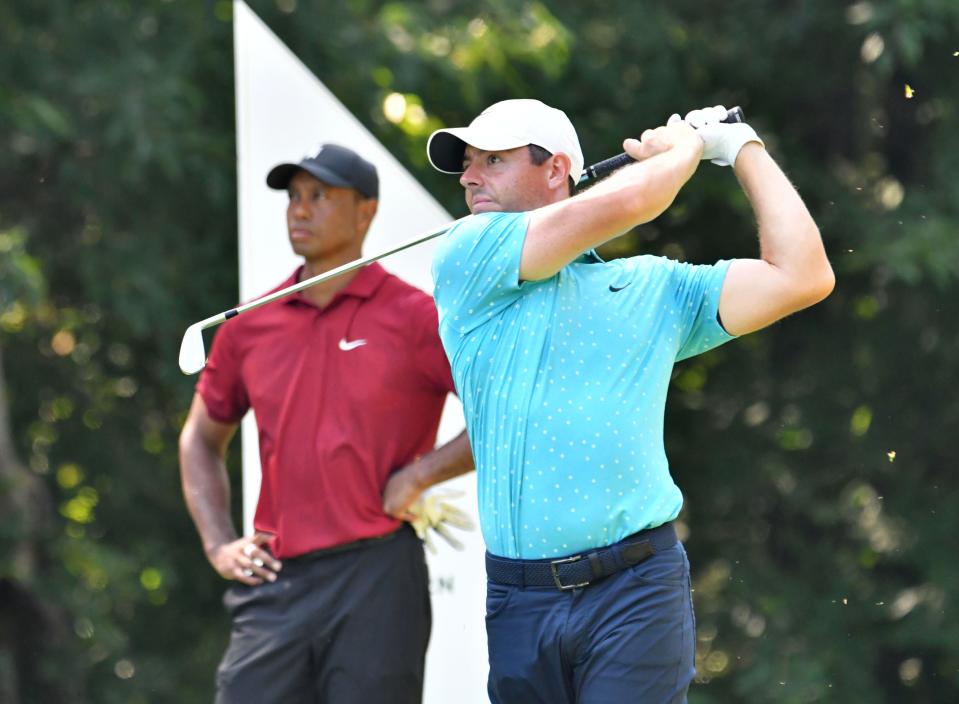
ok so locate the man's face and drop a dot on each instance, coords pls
(326, 222)
(503, 181)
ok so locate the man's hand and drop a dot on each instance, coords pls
(433, 512)
(402, 489)
(723, 141)
(245, 561)
(408, 483)
(675, 133)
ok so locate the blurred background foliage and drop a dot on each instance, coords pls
(818, 457)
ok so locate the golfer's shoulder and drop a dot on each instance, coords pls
(407, 310)
(398, 293)
(667, 265)
(482, 225)
(264, 317)
(652, 265)
(479, 240)
(651, 271)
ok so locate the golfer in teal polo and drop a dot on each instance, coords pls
(563, 362)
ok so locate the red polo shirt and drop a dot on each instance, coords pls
(343, 396)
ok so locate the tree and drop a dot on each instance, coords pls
(815, 456)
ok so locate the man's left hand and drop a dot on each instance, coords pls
(723, 141)
(402, 490)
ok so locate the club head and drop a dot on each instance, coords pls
(192, 353)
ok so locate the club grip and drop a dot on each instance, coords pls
(608, 166)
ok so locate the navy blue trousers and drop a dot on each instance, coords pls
(344, 628)
(627, 638)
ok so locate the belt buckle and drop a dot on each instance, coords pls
(556, 580)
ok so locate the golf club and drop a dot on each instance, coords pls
(607, 166)
(192, 349)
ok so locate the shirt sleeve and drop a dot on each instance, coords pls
(697, 288)
(221, 384)
(476, 269)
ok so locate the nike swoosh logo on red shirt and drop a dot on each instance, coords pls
(352, 345)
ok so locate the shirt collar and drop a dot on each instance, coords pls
(363, 285)
(590, 257)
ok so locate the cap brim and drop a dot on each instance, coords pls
(445, 148)
(280, 175)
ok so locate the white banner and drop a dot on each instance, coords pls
(283, 113)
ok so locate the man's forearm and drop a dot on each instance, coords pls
(406, 485)
(638, 193)
(206, 489)
(445, 462)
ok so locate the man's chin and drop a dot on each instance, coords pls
(485, 207)
(300, 247)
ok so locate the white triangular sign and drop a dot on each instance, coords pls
(283, 113)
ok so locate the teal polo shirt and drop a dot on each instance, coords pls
(563, 383)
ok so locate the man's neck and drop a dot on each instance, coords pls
(321, 294)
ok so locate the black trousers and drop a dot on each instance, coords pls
(346, 627)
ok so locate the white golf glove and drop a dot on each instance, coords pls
(722, 141)
(434, 512)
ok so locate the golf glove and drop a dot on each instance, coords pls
(434, 512)
(722, 141)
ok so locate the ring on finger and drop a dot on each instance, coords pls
(249, 549)
(247, 572)
(258, 562)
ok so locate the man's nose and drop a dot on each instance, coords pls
(470, 176)
(299, 210)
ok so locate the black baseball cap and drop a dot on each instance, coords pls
(333, 165)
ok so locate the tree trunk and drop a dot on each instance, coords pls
(34, 631)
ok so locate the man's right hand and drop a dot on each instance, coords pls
(434, 512)
(675, 133)
(559, 231)
(245, 560)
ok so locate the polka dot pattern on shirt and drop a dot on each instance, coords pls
(564, 384)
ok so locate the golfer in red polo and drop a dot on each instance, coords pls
(347, 381)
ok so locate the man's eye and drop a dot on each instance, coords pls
(493, 159)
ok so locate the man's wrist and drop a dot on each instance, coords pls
(741, 134)
(211, 548)
(421, 473)
(749, 148)
(691, 143)
(697, 144)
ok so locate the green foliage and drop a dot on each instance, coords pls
(118, 222)
(822, 561)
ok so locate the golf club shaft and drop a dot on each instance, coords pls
(192, 352)
(332, 273)
(608, 166)
(593, 172)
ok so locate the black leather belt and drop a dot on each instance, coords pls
(585, 568)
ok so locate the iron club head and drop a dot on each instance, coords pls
(192, 353)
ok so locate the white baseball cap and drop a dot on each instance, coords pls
(507, 125)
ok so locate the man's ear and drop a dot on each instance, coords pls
(558, 174)
(366, 210)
